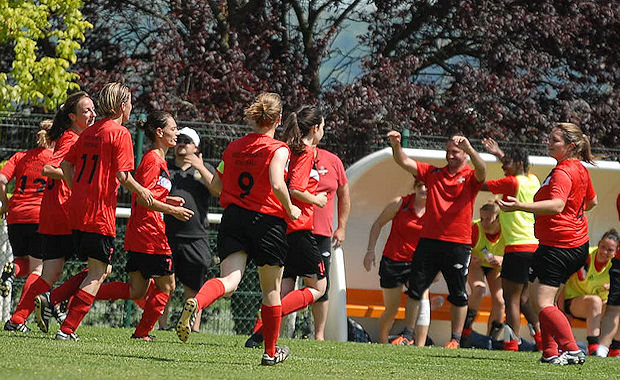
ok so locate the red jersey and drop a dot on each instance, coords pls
(101, 151)
(449, 203)
(332, 176)
(146, 231)
(571, 182)
(405, 232)
(54, 212)
(302, 175)
(26, 167)
(244, 172)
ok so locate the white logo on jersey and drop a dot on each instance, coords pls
(322, 170)
(315, 174)
(461, 180)
(165, 183)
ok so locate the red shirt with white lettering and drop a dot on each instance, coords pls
(54, 217)
(571, 182)
(26, 167)
(449, 203)
(244, 172)
(404, 233)
(146, 231)
(98, 155)
(332, 176)
(302, 176)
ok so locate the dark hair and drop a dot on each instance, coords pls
(298, 125)
(611, 235)
(61, 119)
(518, 154)
(155, 119)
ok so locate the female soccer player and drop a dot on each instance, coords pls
(100, 159)
(255, 201)
(23, 220)
(586, 292)
(518, 233)
(562, 229)
(405, 213)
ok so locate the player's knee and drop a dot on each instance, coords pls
(478, 288)
(458, 299)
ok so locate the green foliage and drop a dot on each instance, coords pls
(44, 36)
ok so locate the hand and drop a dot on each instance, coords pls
(492, 147)
(510, 204)
(338, 238)
(462, 143)
(182, 213)
(146, 196)
(321, 199)
(3, 209)
(495, 261)
(175, 201)
(194, 160)
(394, 137)
(369, 260)
(294, 213)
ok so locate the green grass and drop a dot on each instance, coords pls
(109, 353)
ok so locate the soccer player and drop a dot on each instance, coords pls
(22, 217)
(518, 233)
(405, 213)
(609, 342)
(445, 240)
(333, 181)
(562, 230)
(100, 159)
(586, 291)
(256, 201)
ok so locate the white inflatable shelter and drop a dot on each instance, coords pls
(376, 179)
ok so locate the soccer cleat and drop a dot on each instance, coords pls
(557, 360)
(146, 338)
(6, 279)
(281, 355)
(254, 341)
(402, 341)
(19, 327)
(614, 353)
(574, 357)
(452, 345)
(186, 321)
(43, 311)
(61, 335)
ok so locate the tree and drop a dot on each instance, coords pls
(39, 40)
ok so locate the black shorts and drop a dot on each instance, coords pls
(149, 265)
(303, 257)
(58, 247)
(192, 259)
(614, 283)
(393, 273)
(25, 240)
(567, 303)
(325, 249)
(486, 270)
(432, 256)
(261, 236)
(93, 245)
(517, 266)
(553, 266)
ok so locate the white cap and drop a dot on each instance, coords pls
(189, 132)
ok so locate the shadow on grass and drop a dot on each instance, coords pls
(160, 359)
(29, 335)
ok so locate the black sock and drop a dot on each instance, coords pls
(408, 333)
(469, 319)
(456, 336)
(592, 339)
(615, 345)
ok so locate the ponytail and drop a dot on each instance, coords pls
(62, 122)
(573, 134)
(292, 134)
(43, 137)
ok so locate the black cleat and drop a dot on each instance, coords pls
(557, 360)
(6, 279)
(146, 338)
(281, 355)
(19, 327)
(574, 357)
(43, 311)
(254, 341)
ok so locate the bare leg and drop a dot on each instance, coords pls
(391, 300)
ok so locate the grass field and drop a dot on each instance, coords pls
(109, 353)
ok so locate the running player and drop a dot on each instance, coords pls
(405, 213)
(445, 240)
(562, 229)
(518, 233)
(100, 159)
(255, 201)
(586, 291)
(23, 221)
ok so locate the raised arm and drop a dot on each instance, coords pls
(388, 213)
(493, 147)
(210, 180)
(399, 155)
(480, 166)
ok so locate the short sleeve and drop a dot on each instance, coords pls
(474, 234)
(122, 157)
(506, 186)
(423, 171)
(299, 174)
(148, 172)
(71, 152)
(61, 149)
(9, 168)
(559, 185)
(340, 172)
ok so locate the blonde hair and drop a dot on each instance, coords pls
(265, 110)
(43, 137)
(490, 206)
(573, 134)
(110, 99)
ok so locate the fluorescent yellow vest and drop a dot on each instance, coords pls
(484, 246)
(593, 283)
(518, 226)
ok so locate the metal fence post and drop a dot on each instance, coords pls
(406, 138)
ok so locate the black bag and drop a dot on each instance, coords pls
(356, 333)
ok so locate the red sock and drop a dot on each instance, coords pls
(210, 291)
(258, 326)
(34, 286)
(271, 316)
(154, 308)
(592, 349)
(152, 290)
(67, 288)
(558, 326)
(614, 353)
(538, 339)
(511, 345)
(22, 266)
(115, 290)
(296, 300)
(78, 307)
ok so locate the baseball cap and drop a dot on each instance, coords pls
(189, 132)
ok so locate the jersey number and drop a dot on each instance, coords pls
(95, 159)
(246, 182)
(39, 181)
